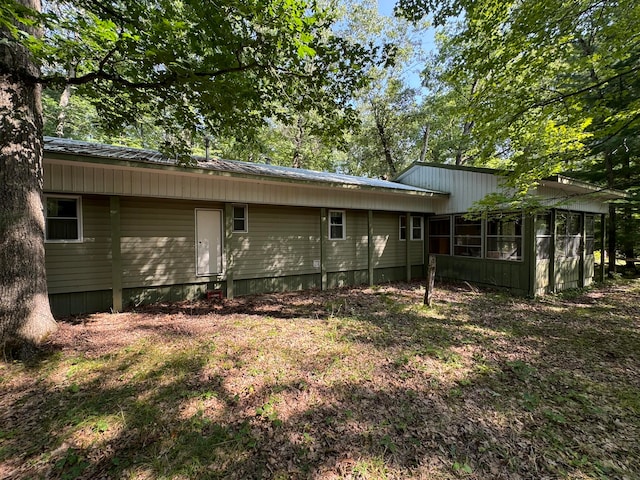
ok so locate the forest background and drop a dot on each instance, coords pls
(535, 89)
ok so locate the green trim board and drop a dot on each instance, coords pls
(80, 303)
(116, 253)
(288, 283)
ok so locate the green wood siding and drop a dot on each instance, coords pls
(67, 304)
(352, 252)
(497, 273)
(280, 241)
(347, 278)
(389, 250)
(134, 297)
(158, 242)
(277, 284)
(85, 266)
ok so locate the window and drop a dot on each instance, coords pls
(504, 239)
(467, 237)
(337, 230)
(568, 234)
(440, 235)
(416, 228)
(63, 219)
(240, 218)
(543, 236)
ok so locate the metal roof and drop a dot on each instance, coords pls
(99, 150)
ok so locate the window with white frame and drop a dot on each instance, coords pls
(416, 228)
(240, 218)
(467, 237)
(440, 235)
(403, 227)
(504, 238)
(63, 218)
(337, 226)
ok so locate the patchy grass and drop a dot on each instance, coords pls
(353, 383)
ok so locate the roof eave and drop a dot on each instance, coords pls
(567, 183)
(174, 167)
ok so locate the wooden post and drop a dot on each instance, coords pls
(583, 253)
(324, 238)
(552, 254)
(603, 240)
(431, 276)
(228, 239)
(408, 246)
(116, 254)
(371, 246)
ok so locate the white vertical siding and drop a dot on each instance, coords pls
(465, 187)
(568, 201)
(468, 187)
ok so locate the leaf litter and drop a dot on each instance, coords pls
(360, 382)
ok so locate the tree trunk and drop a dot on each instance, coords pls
(297, 144)
(64, 104)
(425, 142)
(25, 314)
(386, 148)
(612, 224)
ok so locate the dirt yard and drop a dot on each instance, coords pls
(350, 383)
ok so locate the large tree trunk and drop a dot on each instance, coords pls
(25, 315)
(612, 224)
(297, 143)
(386, 148)
(425, 142)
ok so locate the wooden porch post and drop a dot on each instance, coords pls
(370, 246)
(323, 248)
(529, 239)
(603, 240)
(116, 254)
(552, 253)
(228, 253)
(408, 249)
(583, 256)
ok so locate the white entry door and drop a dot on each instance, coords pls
(208, 242)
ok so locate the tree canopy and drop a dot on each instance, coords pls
(198, 68)
(182, 67)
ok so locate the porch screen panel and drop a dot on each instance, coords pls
(467, 240)
(504, 239)
(568, 231)
(440, 235)
(543, 236)
(589, 232)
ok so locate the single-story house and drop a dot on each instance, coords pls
(128, 226)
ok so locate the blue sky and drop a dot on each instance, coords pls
(385, 7)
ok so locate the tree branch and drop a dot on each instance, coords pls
(575, 93)
(166, 80)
